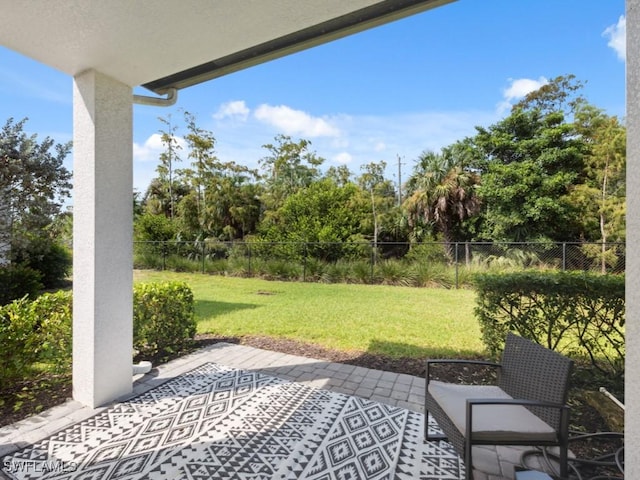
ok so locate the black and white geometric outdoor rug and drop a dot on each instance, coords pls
(216, 422)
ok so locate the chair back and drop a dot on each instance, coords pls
(531, 371)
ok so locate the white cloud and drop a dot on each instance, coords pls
(151, 149)
(343, 158)
(379, 147)
(295, 122)
(518, 89)
(617, 35)
(402, 134)
(361, 139)
(146, 157)
(236, 109)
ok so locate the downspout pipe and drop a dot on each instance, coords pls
(170, 99)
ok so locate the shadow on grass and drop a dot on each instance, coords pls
(406, 358)
(381, 355)
(210, 309)
(397, 349)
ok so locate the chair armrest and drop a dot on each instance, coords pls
(459, 362)
(513, 401)
(564, 410)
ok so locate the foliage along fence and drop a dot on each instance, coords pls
(397, 263)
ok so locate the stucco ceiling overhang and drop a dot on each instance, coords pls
(162, 44)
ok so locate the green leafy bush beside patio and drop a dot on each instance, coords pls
(35, 334)
(579, 314)
(163, 316)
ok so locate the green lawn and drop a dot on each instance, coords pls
(397, 321)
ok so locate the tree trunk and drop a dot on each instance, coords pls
(449, 241)
(603, 231)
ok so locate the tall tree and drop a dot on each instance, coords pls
(33, 185)
(442, 192)
(602, 196)
(529, 162)
(233, 200)
(560, 94)
(168, 157)
(318, 219)
(341, 175)
(289, 167)
(379, 190)
(204, 166)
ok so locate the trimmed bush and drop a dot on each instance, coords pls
(579, 314)
(163, 316)
(35, 332)
(36, 335)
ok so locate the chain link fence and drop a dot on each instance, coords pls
(384, 262)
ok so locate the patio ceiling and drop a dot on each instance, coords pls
(164, 44)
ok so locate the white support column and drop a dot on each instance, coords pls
(632, 279)
(102, 239)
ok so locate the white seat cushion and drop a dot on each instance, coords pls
(501, 423)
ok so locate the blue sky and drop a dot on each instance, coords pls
(415, 84)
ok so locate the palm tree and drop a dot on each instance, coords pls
(442, 193)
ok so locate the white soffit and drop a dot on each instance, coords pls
(165, 44)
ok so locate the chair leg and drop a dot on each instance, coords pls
(468, 462)
(564, 459)
(433, 437)
(426, 425)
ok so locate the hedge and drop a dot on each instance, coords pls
(163, 316)
(35, 335)
(579, 314)
(35, 332)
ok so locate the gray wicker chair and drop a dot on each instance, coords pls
(527, 406)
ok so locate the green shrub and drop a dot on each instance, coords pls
(392, 272)
(360, 271)
(337, 272)
(54, 314)
(313, 269)
(17, 281)
(178, 263)
(282, 270)
(54, 263)
(426, 253)
(576, 313)
(45, 255)
(35, 333)
(142, 260)
(430, 275)
(163, 316)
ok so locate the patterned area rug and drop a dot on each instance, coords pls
(218, 422)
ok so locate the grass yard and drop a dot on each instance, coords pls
(395, 321)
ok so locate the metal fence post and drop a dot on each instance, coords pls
(457, 265)
(203, 246)
(249, 252)
(564, 256)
